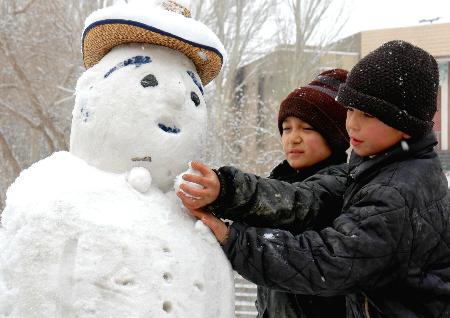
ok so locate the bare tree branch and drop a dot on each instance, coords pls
(29, 122)
(8, 154)
(69, 74)
(24, 8)
(2, 204)
(35, 102)
(39, 68)
(9, 86)
(18, 115)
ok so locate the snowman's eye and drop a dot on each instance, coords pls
(195, 99)
(149, 81)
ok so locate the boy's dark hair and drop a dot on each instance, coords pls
(398, 84)
(315, 104)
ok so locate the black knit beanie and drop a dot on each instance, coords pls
(315, 104)
(398, 84)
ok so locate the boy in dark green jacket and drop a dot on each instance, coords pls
(313, 135)
(389, 249)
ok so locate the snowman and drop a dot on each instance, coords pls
(98, 231)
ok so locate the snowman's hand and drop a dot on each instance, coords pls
(217, 226)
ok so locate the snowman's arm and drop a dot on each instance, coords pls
(265, 202)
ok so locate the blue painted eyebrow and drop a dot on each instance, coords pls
(196, 81)
(136, 60)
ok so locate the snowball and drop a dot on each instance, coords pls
(140, 179)
(179, 180)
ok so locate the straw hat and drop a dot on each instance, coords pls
(166, 23)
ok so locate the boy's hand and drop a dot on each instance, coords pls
(200, 197)
(217, 226)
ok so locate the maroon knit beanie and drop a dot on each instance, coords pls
(315, 104)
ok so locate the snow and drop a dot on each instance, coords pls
(140, 179)
(151, 13)
(205, 232)
(404, 145)
(268, 236)
(179, 180)
(184, 3)
(81, 242)
(202, 55)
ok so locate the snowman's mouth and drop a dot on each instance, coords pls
(170, 129)
(147, 158)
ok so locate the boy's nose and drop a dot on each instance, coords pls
(351, 122)
(297, 139)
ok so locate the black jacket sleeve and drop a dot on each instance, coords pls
(367, 247)
(272, 203)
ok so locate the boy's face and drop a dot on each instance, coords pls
(369, 135)
(303, 146)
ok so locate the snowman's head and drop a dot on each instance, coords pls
(141, 105)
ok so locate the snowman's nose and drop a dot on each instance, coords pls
(175, 92)
(171, 88)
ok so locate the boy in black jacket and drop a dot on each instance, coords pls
(389, 249)
(313, 135)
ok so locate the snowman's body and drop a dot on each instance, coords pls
(80, 241)
(84, 243)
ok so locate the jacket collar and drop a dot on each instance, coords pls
(285, 172)
(415, 148)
